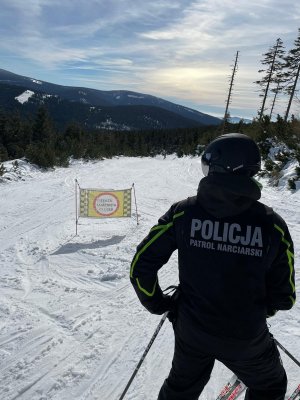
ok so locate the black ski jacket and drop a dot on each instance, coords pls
(235, 258)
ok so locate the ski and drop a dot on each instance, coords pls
(296, 394)
(233, 388)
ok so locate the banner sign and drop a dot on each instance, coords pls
(105, 204)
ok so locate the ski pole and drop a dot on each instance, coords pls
(144, 354)
(287, 352)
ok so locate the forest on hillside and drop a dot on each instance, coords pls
(42, 144)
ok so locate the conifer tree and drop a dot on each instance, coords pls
(293, 71)
(227, 114)
(274, 61)
(41, 150)
(42, 130)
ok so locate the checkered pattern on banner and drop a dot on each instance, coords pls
(127, 203)
(84, 203)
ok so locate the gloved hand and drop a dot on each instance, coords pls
(161, 306)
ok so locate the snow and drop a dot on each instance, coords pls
(71, 327)
(135, 96)
(110, 125)
(23, 98)
(47, 96)
(17, 170)
(288, 172)
(37, 82)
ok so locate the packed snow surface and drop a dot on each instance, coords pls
(71, 326)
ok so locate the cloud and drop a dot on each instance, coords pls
(172, 48)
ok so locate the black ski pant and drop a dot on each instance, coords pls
(264, 374)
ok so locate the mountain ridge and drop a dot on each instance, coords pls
(111, 102)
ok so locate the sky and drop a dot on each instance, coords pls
(179, 50)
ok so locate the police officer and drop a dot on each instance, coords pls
(236, 268)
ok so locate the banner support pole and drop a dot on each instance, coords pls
(76, 205)
(136, 210)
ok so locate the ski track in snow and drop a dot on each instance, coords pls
(71, 326)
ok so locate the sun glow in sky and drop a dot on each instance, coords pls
(180, 50)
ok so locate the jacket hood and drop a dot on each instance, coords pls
(223, 195)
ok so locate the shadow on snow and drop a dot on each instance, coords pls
(73, 247)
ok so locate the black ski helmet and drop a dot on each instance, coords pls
(233, 153)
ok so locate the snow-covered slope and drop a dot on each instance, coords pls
(71, 326)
